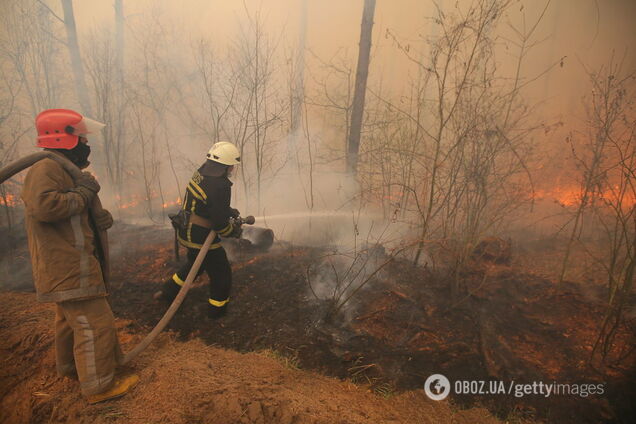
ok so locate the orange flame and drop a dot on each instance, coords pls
(572, 196)
(135, 200)
(168, 204)
(11, 200)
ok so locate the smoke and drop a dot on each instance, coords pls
(197, 72)
(341, 277)
(18, 275)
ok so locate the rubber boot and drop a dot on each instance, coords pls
(215, 312)
(121, 386)
(168, 292)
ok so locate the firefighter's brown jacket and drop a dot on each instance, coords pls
(61, 240)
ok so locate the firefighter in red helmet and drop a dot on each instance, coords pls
(61, 218)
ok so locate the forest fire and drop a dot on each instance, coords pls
(9, 200)
(442, 193)
(401, 328)
(130, 203)
(565, 196)
(571, 196)
(561, 195)
(176, 202)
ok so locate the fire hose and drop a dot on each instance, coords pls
(27, 161)
(182, 293)
(102, 237)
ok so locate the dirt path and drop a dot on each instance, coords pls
(190, 383)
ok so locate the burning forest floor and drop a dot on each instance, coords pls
(401, 328)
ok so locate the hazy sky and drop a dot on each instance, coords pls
(586, 31)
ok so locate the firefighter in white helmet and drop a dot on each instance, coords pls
(206, 206)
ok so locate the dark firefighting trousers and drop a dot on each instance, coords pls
(219, 272)
(86, 343)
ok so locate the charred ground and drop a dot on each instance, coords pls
(403, 327)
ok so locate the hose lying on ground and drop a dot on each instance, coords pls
(192, 275)
(175, 303)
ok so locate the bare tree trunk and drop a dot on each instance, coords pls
(298, 93)
(119, 43)
(257, 139)
(76, 58)
(361, 86)
(120, 111)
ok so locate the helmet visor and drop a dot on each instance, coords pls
(87, 126)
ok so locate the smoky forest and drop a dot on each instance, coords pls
(432, 208)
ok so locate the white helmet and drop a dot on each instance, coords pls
(224, 152)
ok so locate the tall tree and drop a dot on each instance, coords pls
(298, 85)
(119, 43)
(76, 58)
(362, 73)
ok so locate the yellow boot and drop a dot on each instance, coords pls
(121, 386)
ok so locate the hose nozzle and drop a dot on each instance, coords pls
(249, 220)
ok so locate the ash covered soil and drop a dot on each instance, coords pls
(189, 382)
(401, 328)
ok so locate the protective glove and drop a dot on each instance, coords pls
(88, 181)
(234, 213)
(103, 219)
(236, 231)
(86, 186)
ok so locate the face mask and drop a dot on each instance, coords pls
(82, 151)
(78, 154)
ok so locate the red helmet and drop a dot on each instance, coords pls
(61, 128)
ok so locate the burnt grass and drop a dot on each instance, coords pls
(402, 327)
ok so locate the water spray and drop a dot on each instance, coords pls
(319, 214)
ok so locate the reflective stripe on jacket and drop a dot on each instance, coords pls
(208, 197)
(61, 241)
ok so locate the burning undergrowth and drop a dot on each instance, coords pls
(376, 319)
